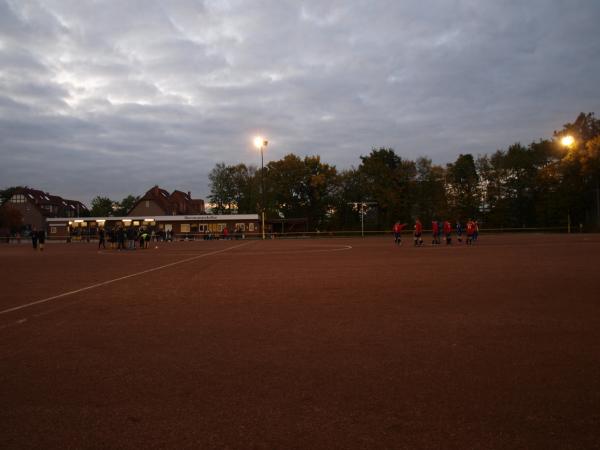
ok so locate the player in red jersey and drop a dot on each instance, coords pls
(435, 232)
(470, 231)
(418, 231)
(398, 232)
(447, 232)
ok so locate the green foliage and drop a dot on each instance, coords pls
(464, 194)
(124, 206)
(101, 207)
(541, 184)
(301, 188)
(234, 189)
(389, 181)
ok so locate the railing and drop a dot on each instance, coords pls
(280, 235)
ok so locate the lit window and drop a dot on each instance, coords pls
(18, 198)
(185, 228)
(147, 203)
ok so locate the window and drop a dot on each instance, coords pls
(147, 203)
(52, 230)
(240, 226)
(185, 227)
(18, 198)
(250, 227)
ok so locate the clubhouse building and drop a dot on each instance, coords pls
(169, 216)
(175, 216)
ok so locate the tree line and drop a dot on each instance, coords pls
(543, 184)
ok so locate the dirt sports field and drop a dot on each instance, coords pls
(289, 344)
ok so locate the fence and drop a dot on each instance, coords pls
(290, 235)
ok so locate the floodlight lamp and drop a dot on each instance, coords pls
(567, 140)
(259, 142)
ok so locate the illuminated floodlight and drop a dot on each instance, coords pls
(260, 142)
(567, 140)
(79, 221)
(148, 220)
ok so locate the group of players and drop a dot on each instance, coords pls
(437, 229)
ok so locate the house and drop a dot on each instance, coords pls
(158, 202)
(36, 206)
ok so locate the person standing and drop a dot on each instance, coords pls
(101, 239)
(447, 232)
(131, 238)
(120, 238)
(418, 231)
(435, 232)
(34, 238)
(470, 231)
(459, 230)
(41, 239)
(398, 232)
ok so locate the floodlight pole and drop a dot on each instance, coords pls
(262, 192)
(598, 199)
(362, 220)
(363, 205)
(263, 144)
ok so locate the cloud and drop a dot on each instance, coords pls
(113, 97)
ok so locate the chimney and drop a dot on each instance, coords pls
(190, 194)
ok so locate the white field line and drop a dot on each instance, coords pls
(336, 248)
(104, 283)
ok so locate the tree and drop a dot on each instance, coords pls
(321, 184)
(222, 189)
(430, 194)
(389, 181)
(298, 187)
(246, 188)
(101, 207)
(463, 187)
(581, 168)
(349, 188)
(124, 206)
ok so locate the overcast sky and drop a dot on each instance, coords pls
(111, 97)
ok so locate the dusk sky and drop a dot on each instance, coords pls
(112, 97)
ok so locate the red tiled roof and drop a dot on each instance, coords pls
(177, 203)
(41, 200)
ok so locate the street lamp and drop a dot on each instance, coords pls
(261, 143)
(567, 141)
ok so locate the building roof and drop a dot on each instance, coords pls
(178, 202)
(50, 205)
